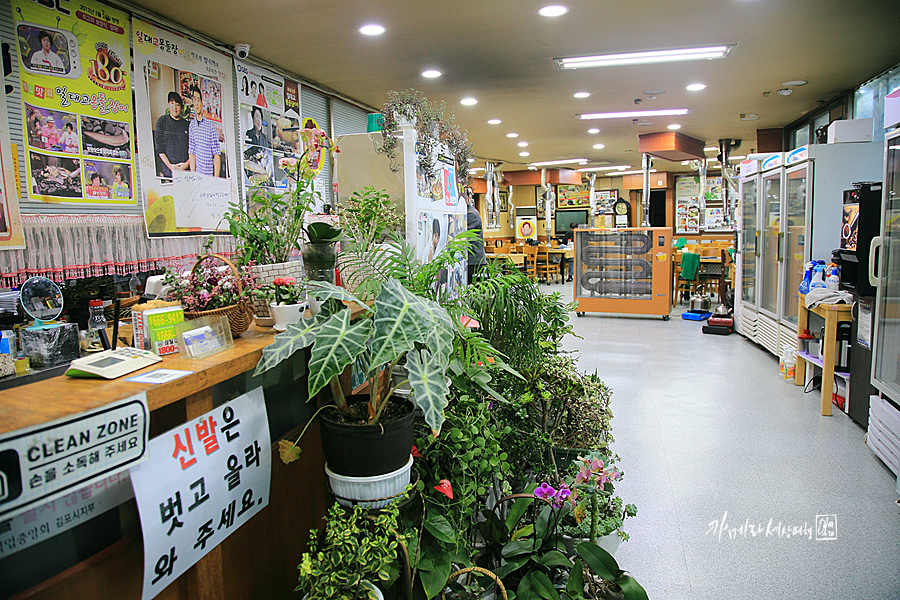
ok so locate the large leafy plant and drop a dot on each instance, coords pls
(399, 324)
(367, 215)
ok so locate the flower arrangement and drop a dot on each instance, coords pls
(597, 511)
(208, 287)
(283, 290)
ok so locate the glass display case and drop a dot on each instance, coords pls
(794, 229)
(770, 243)
(749, 247)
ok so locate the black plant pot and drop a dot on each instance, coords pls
(366, 450)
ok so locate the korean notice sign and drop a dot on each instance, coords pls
(204, 479)
(41, 463)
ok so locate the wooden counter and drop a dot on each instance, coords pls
(258, 560)
(833, 314)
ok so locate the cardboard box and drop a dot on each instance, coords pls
(852, 130)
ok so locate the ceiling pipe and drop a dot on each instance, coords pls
(593, 198)
(646, 163)
(491, 196)
(548, 198)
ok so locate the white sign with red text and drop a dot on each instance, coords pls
(203, 480)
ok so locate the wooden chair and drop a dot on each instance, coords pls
(531, 255)
(545, 267)
(682, 284)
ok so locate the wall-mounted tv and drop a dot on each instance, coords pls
(565, 217)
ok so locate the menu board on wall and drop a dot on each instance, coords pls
(76, 102)
(573, 196)
(185, 113)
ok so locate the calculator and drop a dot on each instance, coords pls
(111, 364)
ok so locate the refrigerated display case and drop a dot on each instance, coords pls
(746, 304)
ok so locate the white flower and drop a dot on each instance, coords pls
(227, 285)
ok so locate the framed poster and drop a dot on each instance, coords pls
(573, 196)
(504, 201)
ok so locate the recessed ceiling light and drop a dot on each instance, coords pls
(468, 101)
(371, 29)
(654, 92)
(737, 157)
(749, 116)
(470, 159)
(784, 92)
(635, 58)
(554, 10)
(512, 135)
(695, 87)
(613, 168)
(674, 126)
(599, 146)
(711, 149)
(494, 121)
(581, 95)
(431, 73)
(674, 112)
(524, 153)
(522, 144)
(550, 163)
(794, 83)
(635, 172)
(593, 130)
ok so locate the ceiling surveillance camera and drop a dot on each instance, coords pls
(242, 50)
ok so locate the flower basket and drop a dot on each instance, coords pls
(239, 315)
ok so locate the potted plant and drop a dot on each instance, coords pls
(352, 554)
(319, 252)
(286, 300)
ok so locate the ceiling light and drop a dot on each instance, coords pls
(468, 101)
(512, 135)
(617, 167)
(470, 159)
(635, 172)
(524, 153)
(654, 92)
(522, 144)
(695, 87)
(674, 126)
(550, 163)
(494, 122)
(685, 162)
(477, 169)
(737, 157)
(711, 149)
(631, 114)
(784, 92)
(581, 95)
(554, 10)
(794, 83)
(599, 146)
(371, 30)
(431, 73)
(532, 168)
(749, 116)
(593, 130)
(635, 58)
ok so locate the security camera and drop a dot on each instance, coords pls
(242, 50)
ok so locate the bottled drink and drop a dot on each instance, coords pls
(96, 322)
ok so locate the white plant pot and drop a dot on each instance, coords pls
(369, 492)
(610, 543)
(267, 274)
(285, 314)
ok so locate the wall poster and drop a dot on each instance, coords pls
(184, 108)
(573, 196)
(12, 236)
(76, 102)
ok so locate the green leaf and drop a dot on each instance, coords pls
(517, 548)
(296, 337)
(321, 231)
(440, 528)
(555, 558)
(337, 345)
(429, 386)
(526, 590)
(631, 589)
(511, 566)
(523, 532)
(575, 585)
(402, 319)
(599, 561)
(324, 290)
(434, 571)
(493, 529)
(543, 585)
(516, 511)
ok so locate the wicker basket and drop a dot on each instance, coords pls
(239, 315)
(490, 574)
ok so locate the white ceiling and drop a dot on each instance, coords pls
(501, 53)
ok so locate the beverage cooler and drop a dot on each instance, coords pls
(791, 207)
(884, 418)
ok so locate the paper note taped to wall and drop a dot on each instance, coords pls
(200, 200)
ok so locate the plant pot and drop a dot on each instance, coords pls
(319, 259)
(366, 450)
(610, 543)
(267, 274)
(369, 492)
(285, 314)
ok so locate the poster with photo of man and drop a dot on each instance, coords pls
(185, 115)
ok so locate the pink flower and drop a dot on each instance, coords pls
(278, 281)
(289, 281)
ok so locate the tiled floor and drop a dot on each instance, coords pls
(707, 431)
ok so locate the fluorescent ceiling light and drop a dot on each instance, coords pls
(617, 167)
(431, 73)
(494, 121)
(593, 130)
(468, 101)
(371, 30)
(674, 126)
(638, 58)
(512, 135)
(599, 146)
(711, 149)
(636, 114)
(550, 163)
(522, 144)
(738, 157)
(477, 169)
(554, 10)
(470, 159)
(524, 153)
(635, 172)
(794, 83)
(749, 116)
(581, 95)
(695, 87)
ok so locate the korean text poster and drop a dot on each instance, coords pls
(185, 114)
(12, 235)
(76, 101)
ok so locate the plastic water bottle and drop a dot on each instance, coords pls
(818, 278)
(96, 322)
(134, 284)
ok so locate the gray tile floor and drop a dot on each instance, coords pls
(708, 432)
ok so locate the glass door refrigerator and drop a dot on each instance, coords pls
(884, 417)
(771, 257)
(746, 304)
